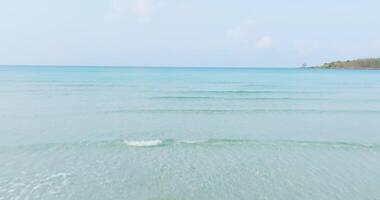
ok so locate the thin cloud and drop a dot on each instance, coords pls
(243, 30)
(143, 8)
(264, 42)
(247, 36)
(306, 47)
(377, 44)
(140, 10)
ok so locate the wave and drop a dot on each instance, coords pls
(143, 143)
(228, 142)
(167, 142)
(238, 98)
(209, 142)
(228, 111)
(194, 112)
(243, 92)
(154, 143)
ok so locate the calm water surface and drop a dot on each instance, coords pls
(188, 133)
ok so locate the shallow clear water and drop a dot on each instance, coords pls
(188, 133)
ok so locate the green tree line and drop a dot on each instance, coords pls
(370, 63)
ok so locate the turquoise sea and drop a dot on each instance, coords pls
(188, 133)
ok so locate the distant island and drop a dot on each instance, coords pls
(370, 63)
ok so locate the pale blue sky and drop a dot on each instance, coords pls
(249, 33)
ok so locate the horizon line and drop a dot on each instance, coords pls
(146, 66)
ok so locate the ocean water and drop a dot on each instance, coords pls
(188, 133)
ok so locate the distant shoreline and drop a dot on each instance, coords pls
(367, 64)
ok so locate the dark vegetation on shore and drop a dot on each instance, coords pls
(370, 63)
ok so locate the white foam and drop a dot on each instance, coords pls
(143, 143)
(193, 141)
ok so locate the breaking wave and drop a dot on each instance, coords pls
(143, 143)
(126, 143)
(225, 142)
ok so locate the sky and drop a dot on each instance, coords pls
(213, 33)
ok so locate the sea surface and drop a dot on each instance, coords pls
(113, 133)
